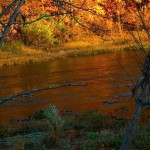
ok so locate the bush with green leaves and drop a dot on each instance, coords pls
(14, 47)
(90, 121)
(53, 119)
(40, 34)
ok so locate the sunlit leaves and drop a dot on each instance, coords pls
(99, 10)
(138, 1)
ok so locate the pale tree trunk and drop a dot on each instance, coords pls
(132, 128)
(141, 100)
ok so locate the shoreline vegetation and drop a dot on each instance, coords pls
(16, 53)
(50, 129)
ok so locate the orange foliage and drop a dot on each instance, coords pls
(106, 14)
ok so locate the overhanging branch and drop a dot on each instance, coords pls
(40, 18)
(8, 8)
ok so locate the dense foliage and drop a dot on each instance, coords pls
(63, 21)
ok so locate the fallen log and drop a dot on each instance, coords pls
(29, 92)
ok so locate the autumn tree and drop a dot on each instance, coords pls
(23, 12)
(97, 16)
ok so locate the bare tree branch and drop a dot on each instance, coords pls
(8, 8)
(10, 22)
(40, 18)
(142, 19)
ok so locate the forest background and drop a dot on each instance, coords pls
(47, 29)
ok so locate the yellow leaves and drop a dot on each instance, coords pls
(138, 1)
(118, 1)
(99, 10)
(100, 1)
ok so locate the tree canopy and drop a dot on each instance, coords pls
(98, 16)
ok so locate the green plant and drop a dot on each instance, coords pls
(1, 131)
(142, 138)
(14, 47)
(54, 121)
(34, 146)
(92, 135)
(39, 114)
(89, 148)
(110, 139)
(90, 121)
(40, 34)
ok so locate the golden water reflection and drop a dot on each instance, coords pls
(105, 77)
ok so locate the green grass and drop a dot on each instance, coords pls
(84, 130)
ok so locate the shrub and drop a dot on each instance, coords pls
(64, 33)
(54, 121)
(40, 34)
(142, 138)
(14, 47)
(1, 131)
(39, 114)
(90, 121)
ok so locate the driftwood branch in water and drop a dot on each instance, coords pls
(29, 92)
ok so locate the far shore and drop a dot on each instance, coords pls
(86, 47)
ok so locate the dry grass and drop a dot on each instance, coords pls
(16, 54)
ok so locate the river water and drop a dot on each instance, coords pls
(108, 77)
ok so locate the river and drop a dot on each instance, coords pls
(108, 77)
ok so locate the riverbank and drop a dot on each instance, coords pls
(83, 130)
(17, 53)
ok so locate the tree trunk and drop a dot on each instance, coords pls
(131, 130)
(10, 22)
